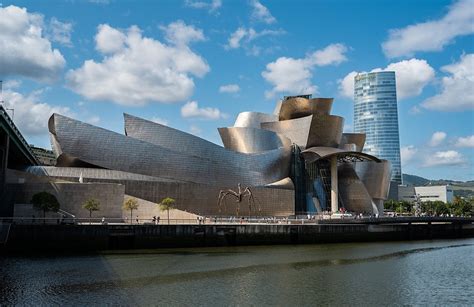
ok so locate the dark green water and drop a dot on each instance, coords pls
(364, 274)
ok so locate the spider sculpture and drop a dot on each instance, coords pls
(239, 197)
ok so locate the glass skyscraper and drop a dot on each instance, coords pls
(375, 114)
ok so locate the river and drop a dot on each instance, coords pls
(370, 274)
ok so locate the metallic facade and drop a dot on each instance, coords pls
(376, 178)
(297, 107)
(376, 115)
(251, 140)
(357, 139)
(326, 130)
(297, 130)
(253, 119)
(297, 161)
(111, 150)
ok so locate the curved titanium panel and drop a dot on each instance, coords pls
(220, 167)
(326, 130)
(376, 177)
(251, 140)
(73, 173)
(321, 105)
(298, 107)
(253, 119)
(240, 139)
(296, 130)
(313, 154)
(352, 191)
(353, 138)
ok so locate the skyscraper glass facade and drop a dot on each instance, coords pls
(375, 114)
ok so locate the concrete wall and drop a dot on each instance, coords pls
(71, 197)
(147, 210)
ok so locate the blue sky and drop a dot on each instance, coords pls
(195, 64)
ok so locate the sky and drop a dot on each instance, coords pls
(195, 64)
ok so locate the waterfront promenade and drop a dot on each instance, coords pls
(217, 232)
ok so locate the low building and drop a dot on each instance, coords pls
(442, 193)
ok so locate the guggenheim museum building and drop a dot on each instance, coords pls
(296, 161)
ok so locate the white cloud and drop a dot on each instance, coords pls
(60, 32)
(160, 121)
(293, 76)
(191, 109)
(244, 36)
(444, 158)
(109, 40)
(261, 13)
(31, 115)
(212, 6)
(93, 120)
(24, 51)
(346, 85)
(136, 70)
(195, 130)
(467, 141)
(180, 34)
(236, 37)
(431, 35)
(415, 110)
(332, 54)
(11, 84)
(411, 77)
(437, 138)
(288, 75)
(457, 92)
(229, 88)
(407, 153)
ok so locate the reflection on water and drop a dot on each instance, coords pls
(425, 272)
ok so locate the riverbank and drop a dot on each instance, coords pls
(32, 237)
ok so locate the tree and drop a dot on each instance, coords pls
(440, 208)
(166, 204)
(46, 202)
(463, 207)
(390, 205)
(91, 204)
(130, 204)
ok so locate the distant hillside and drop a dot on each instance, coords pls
(412, 180)
(460, 188)
(417, 181)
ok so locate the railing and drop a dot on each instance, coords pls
(316, 219)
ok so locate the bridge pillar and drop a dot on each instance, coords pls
(4, 148)
(334, 185)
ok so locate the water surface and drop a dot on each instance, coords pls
(393, 273)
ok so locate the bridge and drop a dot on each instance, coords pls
(15, 153)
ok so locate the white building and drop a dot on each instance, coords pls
(443, 193)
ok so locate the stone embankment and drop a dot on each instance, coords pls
(25, 237)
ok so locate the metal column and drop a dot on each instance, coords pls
(334, 183)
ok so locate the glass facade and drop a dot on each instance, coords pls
(375, 114)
